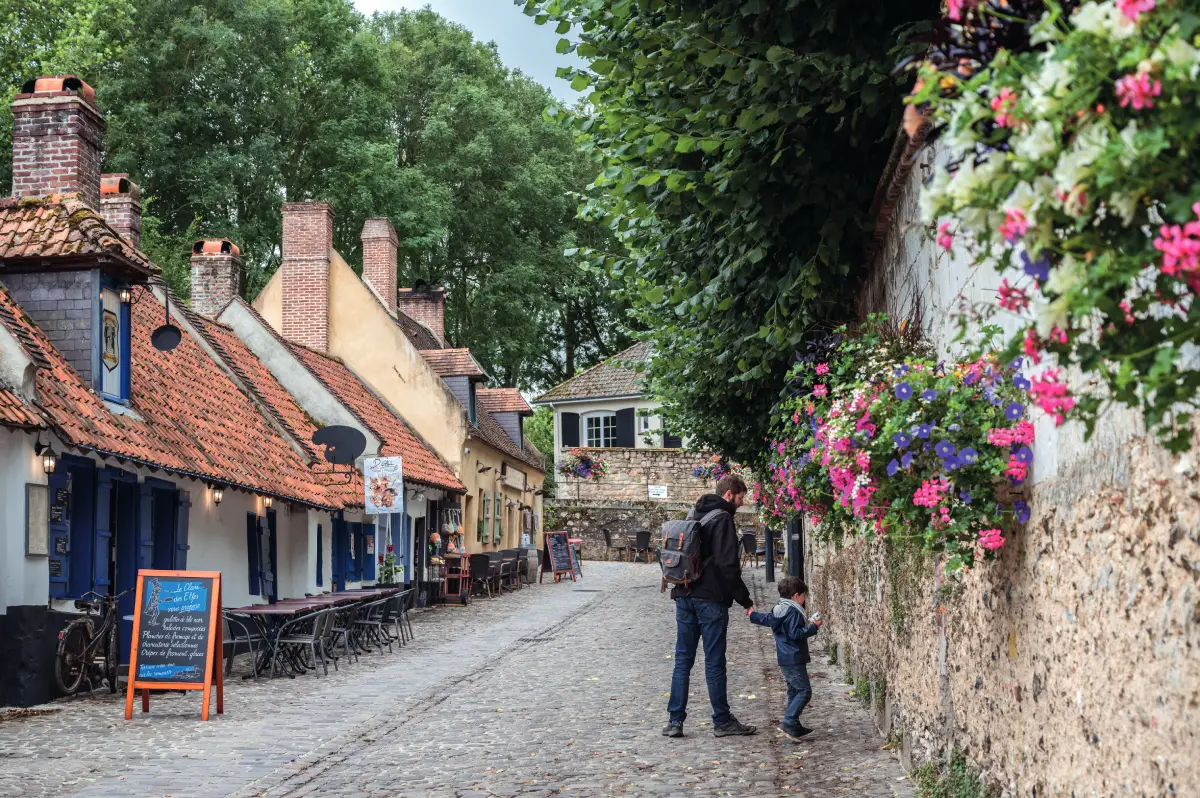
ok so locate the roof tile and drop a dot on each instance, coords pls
(59, 225)
(453, 363)
(611, 377)
(502, 400)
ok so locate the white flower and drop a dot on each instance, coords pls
(962, 186)
(1051, 315)
(1044, 30)
(933, 195)
(1125, 205)
(1036, 143)
(1129, 144)
(1104, 20)
(1181, 54)
(1074, 166)
(1065, 276)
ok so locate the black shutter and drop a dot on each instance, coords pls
(252, 552)
(672, 441)
(569, 423)
(625, 428)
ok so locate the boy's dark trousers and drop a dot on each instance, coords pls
(798, 693)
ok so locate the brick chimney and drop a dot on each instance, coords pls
(57, 139)
(216, 275)
(379, 244)
(120, 204)
(307, 241)
(426, 305)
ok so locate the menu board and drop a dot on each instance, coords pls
(557, 557)
(176, 635)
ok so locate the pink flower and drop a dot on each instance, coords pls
(822, 368)
(930, 492)
(796, 417)
(1052, 395)
(1016, 471)
(1003, 105)
(1135, 8)
(1137, 90)
(820, 390)
(1022, 432)
(1058, 336)
(954, 9)
(1128, 310)
(945, 238)
(863, 459)
(1012, 298)
(991, 539)
(1180, 246)
(1032, 346)
(1014, 225)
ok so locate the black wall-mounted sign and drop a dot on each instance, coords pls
(55, 567)
(60, 546)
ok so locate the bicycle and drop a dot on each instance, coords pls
(80, 644)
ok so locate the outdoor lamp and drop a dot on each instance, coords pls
(267, 502)
(46, 451)
(218, 493)
(126, 295)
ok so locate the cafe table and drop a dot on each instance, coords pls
(270, 618)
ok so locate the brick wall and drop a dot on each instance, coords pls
(57, 144)
(64, 305)
(307, 241)
(121, 206)
(379, 259)
(216, 280)
(427, 307)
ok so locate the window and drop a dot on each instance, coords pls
(112, 376)
(602, 431)
(644, 424)
(472, 414)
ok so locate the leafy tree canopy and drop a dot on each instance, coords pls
(742, 141)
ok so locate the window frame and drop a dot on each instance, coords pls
(604, 418)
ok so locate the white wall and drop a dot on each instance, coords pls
(610, 406)
(26, 580)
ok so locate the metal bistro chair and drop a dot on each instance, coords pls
(641, 545)
(511, 560)
(499, 571)
(404, 601)
(342, 631)
(239, 632)
(376, 617)
(622, 549)
(303, 636)
(481, 573)
(750, 550)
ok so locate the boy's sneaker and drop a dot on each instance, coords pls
(732, 728)
(790, 731)
(673, 730)
(803, 730)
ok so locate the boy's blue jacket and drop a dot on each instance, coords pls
(791, 629)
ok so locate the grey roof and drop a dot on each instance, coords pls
(613, 377)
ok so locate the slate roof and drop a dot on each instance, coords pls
(609, 378)
(453, 362)
(191, 418)
(502, 400)
(421, 336)
(61, 226)
(420, 463)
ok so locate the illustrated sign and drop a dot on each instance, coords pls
(514, 478)
(176, 641)
(111, 330)
(557, 556)
(657, 491)
(383, 478)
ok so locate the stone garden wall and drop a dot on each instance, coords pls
(1068, 666)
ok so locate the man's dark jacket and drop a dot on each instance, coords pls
(721, 579)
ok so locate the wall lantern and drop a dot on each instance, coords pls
(267, 502)
(218, 493)
(46, 452)
(126, 294)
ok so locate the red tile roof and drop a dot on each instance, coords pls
(61, 226)
(189, 416)
(16, 412)
(420, 463)
(453, 363)
(502, 400)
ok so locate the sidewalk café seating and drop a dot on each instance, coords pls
(373, 623)
(298, 638)
(244, 633)
(640, 545)
(499, 570)
(511, 558)
(481, 573)
(622, 549)
(523, 567)
(343, 628)
(750, 549)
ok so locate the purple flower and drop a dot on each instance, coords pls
(1039, 269)
(1021, 511)
(927, 447)
(971, 378)
(1024, 455)
(995, 400)
(1020, 383)
(892, 468)
(1016, 363)
(945, 449)
(968, 456)
(954, 427)
(906, 460)
(903, 391)
(965, 496)
(929, 394)
(952, 463)
(1014, 411)
(900, 371)
(923, 430)
(940, 368)
(902, 440)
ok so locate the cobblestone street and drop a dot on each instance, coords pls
(554, 690)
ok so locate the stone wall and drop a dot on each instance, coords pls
(631, 472)
(589, 520)
(1068, 666)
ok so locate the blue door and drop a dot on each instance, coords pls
(102, 541)
(337, 553)
(59, 486)
(127, 498)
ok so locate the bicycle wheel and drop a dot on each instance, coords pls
(111, 659)
(71, 660)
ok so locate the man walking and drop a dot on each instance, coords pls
(702, 610)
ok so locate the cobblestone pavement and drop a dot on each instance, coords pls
(554, 690)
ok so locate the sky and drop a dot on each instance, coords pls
(523, 44)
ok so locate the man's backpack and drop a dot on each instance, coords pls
(681, 556)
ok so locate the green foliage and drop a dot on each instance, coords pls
(540, 430)
(1092, 186)
(742, 141)
(833, 653)
(862, 690)
(955, 780)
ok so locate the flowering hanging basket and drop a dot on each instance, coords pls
(582, 465)
(715, 469)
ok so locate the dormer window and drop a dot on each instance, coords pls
(112, 343)
(471, 412)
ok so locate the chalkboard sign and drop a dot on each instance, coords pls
(56, 567)
(58, 513)
(557, 557)
(176, 641)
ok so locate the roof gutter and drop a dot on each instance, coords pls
(574, 400)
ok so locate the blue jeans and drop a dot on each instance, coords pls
(798, 694)
(696, 619)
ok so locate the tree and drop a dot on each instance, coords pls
(540, 431)
(742, 141)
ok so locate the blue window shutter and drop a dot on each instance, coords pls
(320, 558)
(370, 554)
(146, 526)
(126, 357)
(354, 550)
(268, 558)
(102, 540)
(252, 552)
(183, 508)
(337, 553)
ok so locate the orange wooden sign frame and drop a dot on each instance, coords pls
(214, 673)
(547, 556)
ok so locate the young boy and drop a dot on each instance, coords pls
(792, 631)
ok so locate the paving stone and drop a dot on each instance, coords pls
(547, 691)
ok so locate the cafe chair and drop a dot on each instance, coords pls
(304, 635)
(403, 622)
(240, 632)
(373, 624)
(509, 557)
(341, 631)
(750, 551)
(622, 549)
(481, 573)
(641, 545)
